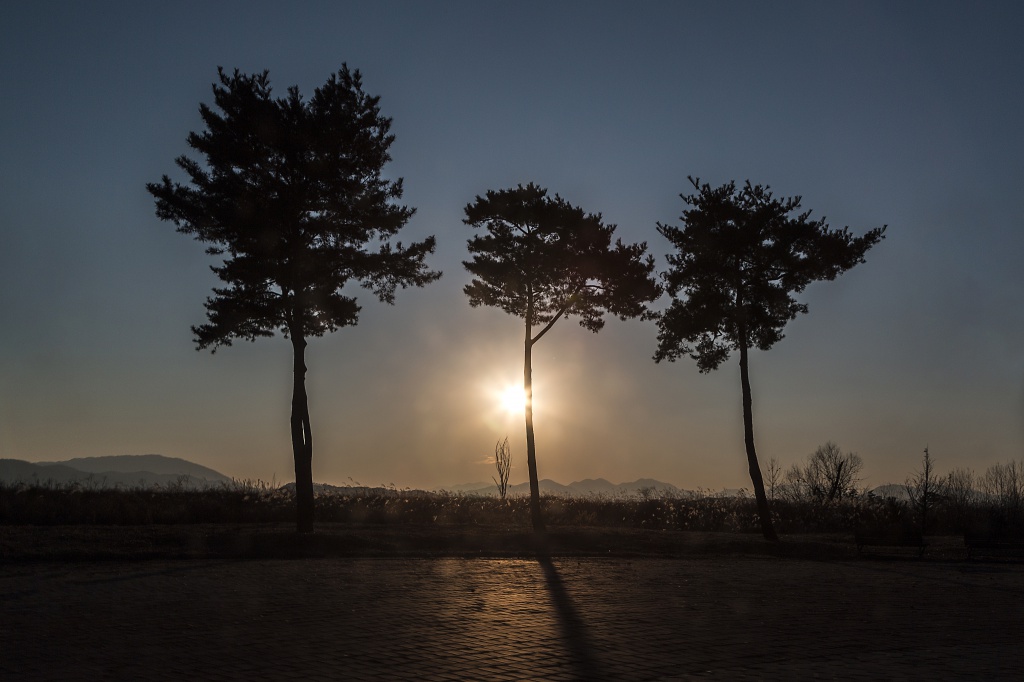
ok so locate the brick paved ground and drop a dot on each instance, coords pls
(501, 619)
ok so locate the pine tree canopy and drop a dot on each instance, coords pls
(540, 258)
(740, 257)
(290, 194)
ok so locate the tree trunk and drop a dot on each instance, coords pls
(531, 446)
(833, 489)
(748, 438)
(302, 439)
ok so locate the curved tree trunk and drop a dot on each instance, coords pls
(302, 439)
(763, 510)
(531, 447)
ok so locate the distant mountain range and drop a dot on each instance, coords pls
(588, 486)
(112, 472)
(547, 487)
(152, 470)
(895, 491)
(130, 471)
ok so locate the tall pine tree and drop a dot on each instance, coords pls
(541, 259)
(740, 257)
(290, 197)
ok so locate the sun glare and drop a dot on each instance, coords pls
(513, 399)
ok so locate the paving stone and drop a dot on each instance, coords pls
(718, 617)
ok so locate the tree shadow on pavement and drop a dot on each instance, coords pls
(578, 643)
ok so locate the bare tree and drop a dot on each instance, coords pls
(961, 495)
(828, 475)
(793, 488)
(924, 489)
(774, 477)
(503, 463)
(1003, 485)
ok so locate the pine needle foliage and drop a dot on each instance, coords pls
(289, 194)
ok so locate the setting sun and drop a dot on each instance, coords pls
(512, 399)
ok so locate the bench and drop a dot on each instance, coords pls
(890, 536)
(993, 544)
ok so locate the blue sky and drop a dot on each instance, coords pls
(905, 115)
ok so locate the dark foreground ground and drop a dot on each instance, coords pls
(712, 608)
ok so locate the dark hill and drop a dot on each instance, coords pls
(125, 464)
(111, 472)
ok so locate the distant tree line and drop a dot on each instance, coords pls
(930, 501)
(963, 502)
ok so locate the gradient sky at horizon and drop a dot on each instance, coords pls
(906, 114)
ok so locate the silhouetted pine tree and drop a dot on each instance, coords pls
(289, 195)
(740, 257)
(542, 259)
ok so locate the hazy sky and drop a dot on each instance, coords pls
(906, 114)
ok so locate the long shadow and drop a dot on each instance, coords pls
(573, 629)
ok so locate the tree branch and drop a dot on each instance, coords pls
(549, 325)
(558, 316)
